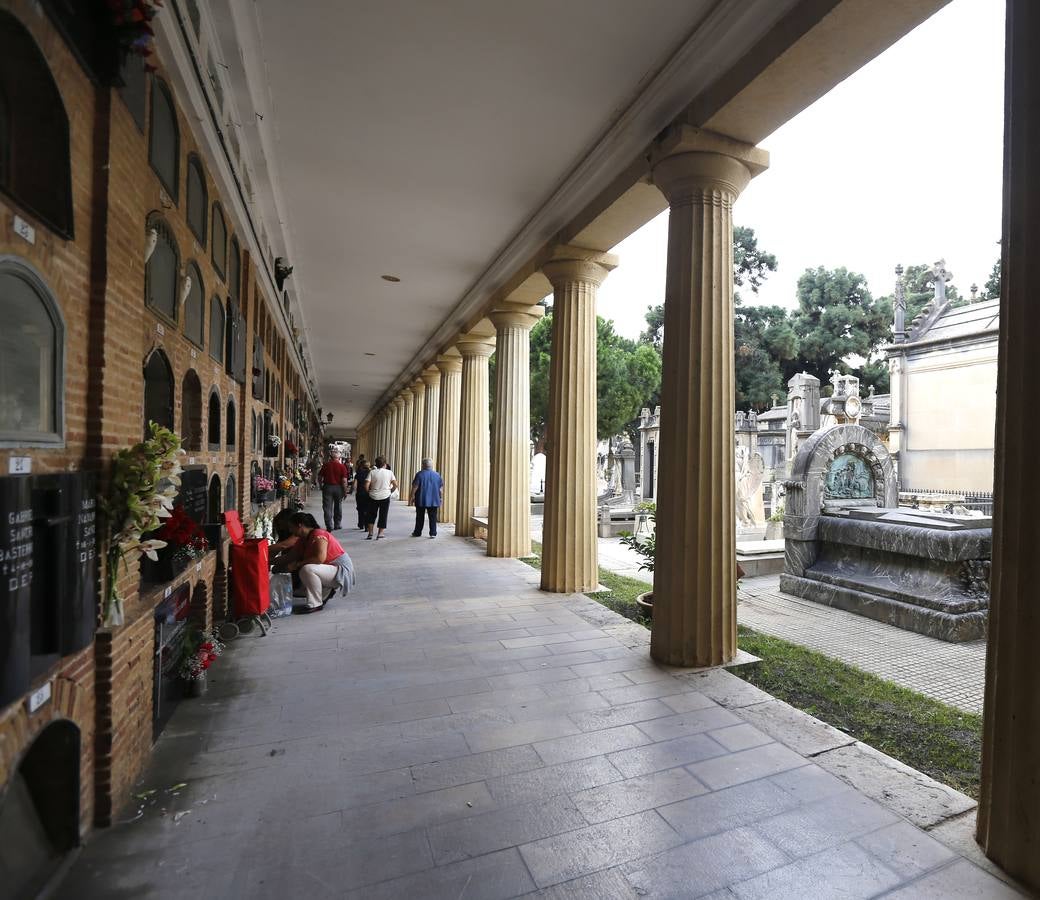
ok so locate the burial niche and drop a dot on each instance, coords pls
(198, 198)
(214, 420)
(215, 506)
(162, 265)
(194, 308)
(39, 811)
(191, 411)
(158, 392)
(231, 425)
(164, 141)
(32, 358)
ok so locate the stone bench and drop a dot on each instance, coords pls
(761, 557)
(479, 521)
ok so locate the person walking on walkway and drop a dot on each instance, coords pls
(361, 471)
(335, 480)
(381, 483)
(427, 495)
(323, 566)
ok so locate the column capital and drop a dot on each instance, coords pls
(398, 401)
(569, 263)
(689, 159)
(418, 387)
(515, 315)
(448, 363)
(431, 376)
(473, 344)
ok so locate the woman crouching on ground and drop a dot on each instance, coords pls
(325, 568)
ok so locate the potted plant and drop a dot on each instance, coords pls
(647, 549)
(199, 654)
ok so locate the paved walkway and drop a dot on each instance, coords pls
(449, 731)
(951, 673)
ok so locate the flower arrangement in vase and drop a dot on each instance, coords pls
(199, 655)
(262, 527)
(262, 485)
(290, 449)
(145, 480)
(185, 535)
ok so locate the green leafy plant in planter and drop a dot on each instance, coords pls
(778, 515)
(145, 481)
(647, 549)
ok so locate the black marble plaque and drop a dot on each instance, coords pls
(194, 493)
(80, 618)
(16, 571)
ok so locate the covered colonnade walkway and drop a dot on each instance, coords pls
(402, 184)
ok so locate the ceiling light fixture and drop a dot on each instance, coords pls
(369, 354)
(393, 279)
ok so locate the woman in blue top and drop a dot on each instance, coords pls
(427, 495)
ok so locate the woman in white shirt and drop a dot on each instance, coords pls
(380, 485)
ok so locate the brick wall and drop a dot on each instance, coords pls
(98, 279)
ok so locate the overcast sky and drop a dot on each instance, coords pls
(900, 163)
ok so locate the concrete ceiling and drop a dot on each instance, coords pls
(448, 144)
(415, 140)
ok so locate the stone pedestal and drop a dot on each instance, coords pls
(509, 505)
(1009, 804)
(695, 590)
(450, 366)
(569, 549)
(431, 414)
(474, 453)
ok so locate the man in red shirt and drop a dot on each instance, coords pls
(334, 478)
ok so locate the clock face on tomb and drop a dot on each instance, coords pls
(852, 407)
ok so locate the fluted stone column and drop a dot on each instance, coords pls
(418, 421)
(509, 503)
(474, 452)
(1009, 802)
(407, 427)
(396, 444)
(695, 588)
(450, 367)
(431, 417)
(569, 550)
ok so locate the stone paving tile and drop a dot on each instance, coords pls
(491, 877)
(958, 881)
(497, 737)
(475, 767)
(740, 737)
(905, 850)
(694, 722)
(568, 856)
(595, 743)
(524, 787)
(665, 755)
(705, 865)
(503, 828)
(843, 872)
(607, 884)
(824, 823)
(727, 809)
(622, 798)
(627, 714)
(746, 765)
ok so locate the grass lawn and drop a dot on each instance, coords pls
(929, 736)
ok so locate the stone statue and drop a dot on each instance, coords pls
(749, 471)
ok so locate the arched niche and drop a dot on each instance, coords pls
(213, 419)
(234, 270)
(218, 241)
(195, 307)
(191, 411)
(162, 268)
(164, 140)
(230, 425)
(217, 318)
(39, 810)
(32, 358)
(198, 198)
(230, 493)
(35, 169)
(158, 391)
(214, 504)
